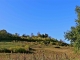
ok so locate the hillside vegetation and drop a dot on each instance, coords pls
(41, 38)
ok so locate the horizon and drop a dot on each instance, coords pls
(26, 17)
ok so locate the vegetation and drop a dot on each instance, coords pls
(74, 34)
(10, 47)
(41, 46)
(41, 54)
(44, 38)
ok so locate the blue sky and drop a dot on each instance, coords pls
(31, 16)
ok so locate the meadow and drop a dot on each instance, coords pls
(37, 52)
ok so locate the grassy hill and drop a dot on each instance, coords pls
(39, 47)
(38, 51)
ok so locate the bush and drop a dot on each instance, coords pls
(27, 48)
(46, 42)
(19, 49)
(4, 50)
(54, 43)
(57, 47)
(14, 49)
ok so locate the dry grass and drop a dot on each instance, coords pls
(43, 54)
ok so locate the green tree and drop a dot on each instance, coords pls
(74, 34)
(4, 35)
(16, 37)
(46, 35)
(38, 34)
(24, 35)
(32, 35)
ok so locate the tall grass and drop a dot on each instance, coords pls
(41, 56)
(38, 55)
(13, 47)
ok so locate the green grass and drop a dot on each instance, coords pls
(11, 46)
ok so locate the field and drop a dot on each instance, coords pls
(39, 52)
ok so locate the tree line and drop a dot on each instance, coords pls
(4, 35)
(44, 38)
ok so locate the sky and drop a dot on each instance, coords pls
(53, 17)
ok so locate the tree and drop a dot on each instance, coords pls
(16, 36)
(4, 35)
(24, 35)
(46, 35)
(74, 34)
(42, 36)
(32, 35)
(38, 34)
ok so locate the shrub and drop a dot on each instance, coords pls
(19, 49)
(46, 42)
(4, 50)
(53, 43)
(57, 47)
(14, 49)
(27, 48)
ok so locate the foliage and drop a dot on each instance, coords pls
(27, 47)
(17, 49)
(8, 47)
(74, 34)
(8, 37)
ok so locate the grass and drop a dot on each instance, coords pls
(40, 52)
(13, 47)
(39, 55)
